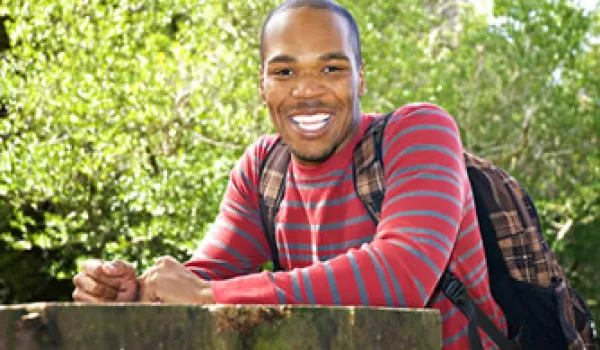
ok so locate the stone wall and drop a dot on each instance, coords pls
(143, 326)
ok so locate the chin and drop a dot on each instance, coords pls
(314, 158)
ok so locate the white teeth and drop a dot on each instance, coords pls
(311, 127)
(316, 118)
(312, 122)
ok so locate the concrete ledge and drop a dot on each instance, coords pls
(143, 326)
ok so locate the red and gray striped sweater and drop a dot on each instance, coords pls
(333, 252)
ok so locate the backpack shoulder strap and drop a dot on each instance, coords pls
(272, 177)
(367, 167)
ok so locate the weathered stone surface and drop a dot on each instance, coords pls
(143, 326)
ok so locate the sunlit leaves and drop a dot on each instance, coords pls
(124, 117)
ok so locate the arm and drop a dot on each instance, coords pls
(235, 245)
(420, 218)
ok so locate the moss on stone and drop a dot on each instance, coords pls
(143, 326)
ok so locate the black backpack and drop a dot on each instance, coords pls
(541, 309)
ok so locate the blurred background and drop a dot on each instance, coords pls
(120, 119)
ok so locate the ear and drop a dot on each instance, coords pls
(362, 84)
(261, 86)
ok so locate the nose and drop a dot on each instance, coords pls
(308, 86)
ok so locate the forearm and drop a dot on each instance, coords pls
(371, 276)
(235, 245)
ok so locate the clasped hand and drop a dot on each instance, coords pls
(168, 281)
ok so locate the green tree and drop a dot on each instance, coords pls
(121, 119)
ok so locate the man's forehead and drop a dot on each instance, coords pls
(300, 28)
(287, 22)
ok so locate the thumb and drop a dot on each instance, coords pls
(118, 268)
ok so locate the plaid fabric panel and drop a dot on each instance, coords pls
(274, 172)
(369, 176)
(523, 248)
(535, 264)
(270, 184)
(524, 258)
(506, 223)
(272, 178)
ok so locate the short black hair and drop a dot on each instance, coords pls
(315, 4)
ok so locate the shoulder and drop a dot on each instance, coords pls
(421, 111)
(254, 155)
(420, 116)
(260, 148)
(423, 126)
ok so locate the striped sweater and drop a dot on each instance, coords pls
(333, 252)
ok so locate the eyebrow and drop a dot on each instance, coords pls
(334, 56)
(325, 57)
(281, 59)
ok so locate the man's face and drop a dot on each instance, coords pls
(311, 82)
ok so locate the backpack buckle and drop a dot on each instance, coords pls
(453, 288)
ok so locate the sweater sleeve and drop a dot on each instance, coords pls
(420, 218)
(235, 244)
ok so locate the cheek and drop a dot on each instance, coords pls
(346, 89)
(275, 117)
(274, 98)
(270, 95)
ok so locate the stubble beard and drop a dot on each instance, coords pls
(319, 158)
(324, 156)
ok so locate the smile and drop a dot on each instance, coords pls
(311, 123)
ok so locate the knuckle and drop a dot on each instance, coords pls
(91, 264)
(96, 270)
(97, 288)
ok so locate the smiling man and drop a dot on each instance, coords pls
(311, 81)
(328, 248)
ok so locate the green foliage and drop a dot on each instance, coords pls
(115, 142)
(123, 118)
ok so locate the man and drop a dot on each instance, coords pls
(331, 251)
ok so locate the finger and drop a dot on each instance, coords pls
(93, 287)
(118, 268)
(82, 297)
(95, 269)
(92, 265)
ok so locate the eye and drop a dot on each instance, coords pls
(283, 72)
(332, 69)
